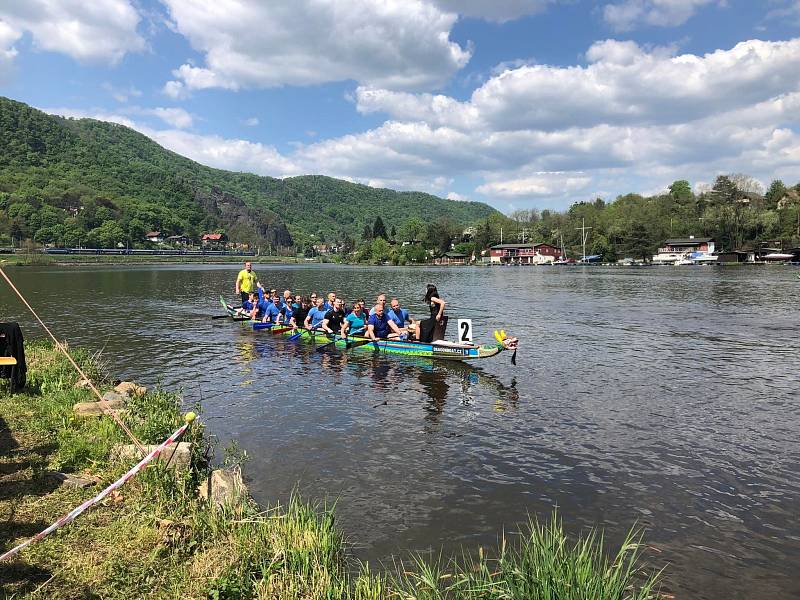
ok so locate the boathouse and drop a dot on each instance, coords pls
(524, 254)
(680, 248)
(452, 258)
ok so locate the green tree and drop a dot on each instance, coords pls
(639, 241)
(776, 191)
(380, 251)
(379, 229)
(681, 191)
(107, 235)
(366, 235)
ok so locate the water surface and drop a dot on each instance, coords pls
(666, 397)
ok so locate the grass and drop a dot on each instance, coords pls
(155, 539)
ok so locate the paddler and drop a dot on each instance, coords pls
(356, 320)
(380, 326)
(315, 315)
(334, 319)
(400, 317)
(331, 299)
(381, 299)
(273, 311)
(246, 282)
(300, 313)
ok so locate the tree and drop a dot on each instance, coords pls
(681, 191)
(393, 234)
(639, 242)
(380, 250)
(412, 229)
(776, 191)
(724, 190)
(367, 233)
(379, 229)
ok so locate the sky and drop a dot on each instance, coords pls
(517, 103)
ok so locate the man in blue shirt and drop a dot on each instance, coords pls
(380, 326)
(400, 316)
(315, 315)
(272, 311)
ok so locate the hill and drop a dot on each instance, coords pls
(69, 181)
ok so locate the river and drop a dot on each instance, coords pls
(662, 397)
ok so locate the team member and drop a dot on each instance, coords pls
(433, 328)
(248, 305)
(400, 316)
(331, 299)
(300, 313)
(287, 310)
(287, 298)
(356, 321)
(380, 326)
(246, 282)
(381, 299)
(273, 311)
(260, 309)
(334, 319)
(315, 315)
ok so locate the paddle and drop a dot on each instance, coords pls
(297, 336)
(258, 326)
(331, 343)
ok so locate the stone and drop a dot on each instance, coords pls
(176, 456)
(96, 409)
(74, 481)
(115, 397)
(224, 486)
(130, 389)
(82, 384)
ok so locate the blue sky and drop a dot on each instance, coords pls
(518, 103)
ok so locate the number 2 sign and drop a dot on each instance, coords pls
(464, 330)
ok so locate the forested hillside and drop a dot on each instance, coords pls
(70, 181)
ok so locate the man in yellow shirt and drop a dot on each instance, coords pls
(246, 281)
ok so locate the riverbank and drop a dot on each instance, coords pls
(38, 259)
(155, 538)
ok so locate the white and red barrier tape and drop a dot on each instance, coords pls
(71, 516)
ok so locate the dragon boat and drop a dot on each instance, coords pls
(443, 350)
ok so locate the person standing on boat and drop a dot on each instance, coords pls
(246, 282)
(356, 320)
(315, 315)
(432, 329)
(334, 318)
(380, 326)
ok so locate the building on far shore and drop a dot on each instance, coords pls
(691, 248)
(452, 258)
(216, 241)
(154, 236)
(524, 254)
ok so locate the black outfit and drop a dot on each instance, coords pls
(12, 344)
(300, 315)
(430, 329)
(335, 319)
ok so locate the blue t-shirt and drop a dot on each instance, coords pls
(327, 305)
(262, 306)
(272, 312)
(380, 325)
(317, 315)
(356, 322)
(287, 311)
(247, 305)
(399, 319)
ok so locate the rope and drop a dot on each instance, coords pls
(74, 513)
(63, 349)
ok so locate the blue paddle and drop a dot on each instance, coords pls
(258, 326)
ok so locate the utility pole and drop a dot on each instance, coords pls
(524, 234)
(584, 236)
(501, 235)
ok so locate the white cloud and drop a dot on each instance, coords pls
(175, 90)
(623, 84)
(457, 197)
(628, 14)
(251, 122)
(394, 44)
(7, 51)
(99, 115)
(177, 117)
(100, 31)
(537, 184)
